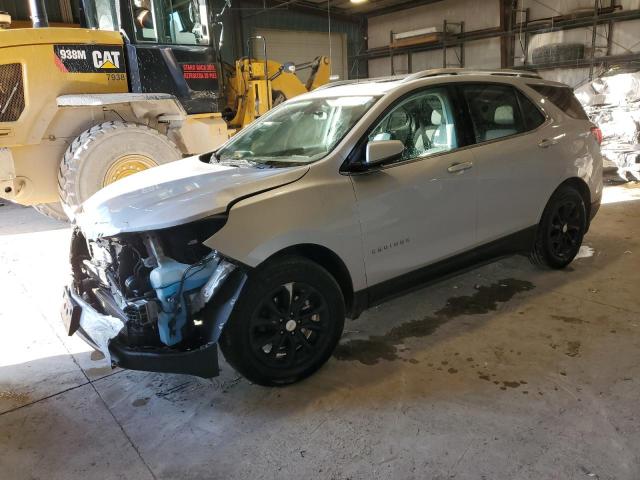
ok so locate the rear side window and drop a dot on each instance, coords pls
(494, 111)
(563, 98)
(531, 115)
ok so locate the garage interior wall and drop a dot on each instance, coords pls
(625, 37)
(284, 46)
(486, 53)
(349, 32)
(475, 15)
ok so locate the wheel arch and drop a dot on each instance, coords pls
(583, 189)
(327, 259)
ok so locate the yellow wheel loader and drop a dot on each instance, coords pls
(140, 84)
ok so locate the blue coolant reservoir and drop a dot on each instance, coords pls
(166, 280)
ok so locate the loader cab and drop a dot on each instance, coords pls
(169, 47)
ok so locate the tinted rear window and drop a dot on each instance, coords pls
(563, 98)
(532, 117)
(494, 111)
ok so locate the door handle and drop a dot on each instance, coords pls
(547, 142)
(459, 167)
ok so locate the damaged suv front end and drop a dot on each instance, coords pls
(154, 301)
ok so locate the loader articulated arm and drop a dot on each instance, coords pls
(320, 72)
(251, 92)
(288, 84)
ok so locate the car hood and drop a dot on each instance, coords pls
(175, 194)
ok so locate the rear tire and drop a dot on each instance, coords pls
(561, 229)
(107, 152)
(286, 324)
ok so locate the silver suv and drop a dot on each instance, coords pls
(327, 205)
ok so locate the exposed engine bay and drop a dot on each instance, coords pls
(151, 292)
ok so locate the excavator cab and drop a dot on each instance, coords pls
(169, 47)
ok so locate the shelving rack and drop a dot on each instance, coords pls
(451, 30)
(511, 29)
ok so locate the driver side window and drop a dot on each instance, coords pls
(171, 21)
(423, 122)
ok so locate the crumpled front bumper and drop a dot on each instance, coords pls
(102, 331)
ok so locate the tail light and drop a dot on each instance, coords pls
(597, 133)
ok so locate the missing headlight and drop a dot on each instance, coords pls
(184, 242)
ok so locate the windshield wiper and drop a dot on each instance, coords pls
(237, 162)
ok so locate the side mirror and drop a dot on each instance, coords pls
(289, 67)
(384, 150)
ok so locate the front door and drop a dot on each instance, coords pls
(421, 208)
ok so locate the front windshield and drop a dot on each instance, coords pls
(300, 132)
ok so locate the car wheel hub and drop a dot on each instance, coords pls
(291, 325)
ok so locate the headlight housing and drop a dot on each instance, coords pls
(184, 242)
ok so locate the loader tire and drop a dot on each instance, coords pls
(52, 210)
(107, 153)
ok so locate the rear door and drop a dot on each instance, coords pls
(511, 162)
(420, 208)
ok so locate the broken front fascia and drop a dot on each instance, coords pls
(177, 292)
(172, 281)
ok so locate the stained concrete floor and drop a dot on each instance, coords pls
(503, 372)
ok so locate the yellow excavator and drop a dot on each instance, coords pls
(140, 83)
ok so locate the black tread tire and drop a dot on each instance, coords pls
(234, 341)
(81, 167)
(52, 210)
(540, 254)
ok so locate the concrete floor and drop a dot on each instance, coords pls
(504, 372)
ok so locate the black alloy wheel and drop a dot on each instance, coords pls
(286, 323)
(561, 229)
(290, 326)
(565, 232)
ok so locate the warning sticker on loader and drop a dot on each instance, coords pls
(89, 58)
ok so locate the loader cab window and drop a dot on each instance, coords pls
(144, 20)
(177, 22)
(101, 15)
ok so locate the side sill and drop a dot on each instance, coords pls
(518, 242)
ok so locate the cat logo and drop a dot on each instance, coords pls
(89, 58)
(106, 60)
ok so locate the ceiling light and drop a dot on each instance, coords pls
(358, 1)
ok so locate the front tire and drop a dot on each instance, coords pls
(561, 229)
(107, 153)
(286, 324)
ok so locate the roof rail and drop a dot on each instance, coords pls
(335, 84)
(360, 80)
(435, 72)
(464, 71)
